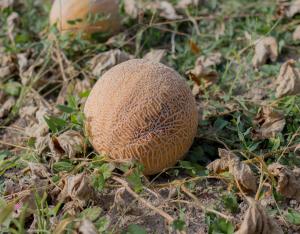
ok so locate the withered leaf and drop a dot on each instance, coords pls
(70, 143)
(131, 8)
(242, 172)
(39, 170)
(77, 188)
(269, 122)
(288, 181)
(293, 9)
(296, 34)
(266, 48)
(257, 221)
(7, 65)
(87, 227)
(39, 127)
(6, 107)
(202, 73)
(167, 11)
(76, 87)
(6, 3)
(288, 80)
(183, 4)
(22, 62)
(155, 55)
(106, 60)
(12, 20)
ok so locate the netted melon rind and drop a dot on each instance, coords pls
(142, 110)
(72, 15)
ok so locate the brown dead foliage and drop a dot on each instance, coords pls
(39, 170)
(296, 34)
(241, 172)
(7, 64)
(293, 9)
(132, 8)
(268, 122)
(183, 4)
(106, 60)
(203, 73)
(155, 55)
(70, 143)
(87, 227)
(6, 3)
(167, 11)
(288, 80)
(75, 191)
(265, 49)
(257, 221)
(288, 181)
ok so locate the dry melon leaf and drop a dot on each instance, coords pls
(39, 170)
(257, 221)
(106, 60)
(167, 11)
(87, 227)
(155, 55)
(39, 128)
(11, 21)
(288, 80)
(70, 143)
(293, 9)
(212, 60)
(76, 188)
(242, 172)
(244, 176)
(266, 48)
(131, 8)
(6, 107)
(202, 73)
(269, 123)
(288, 181)
(7, 65)
(6, 3)
(183, 4)
(296, 34)
(74, 88)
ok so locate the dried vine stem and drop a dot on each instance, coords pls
(197, 203)
(168, 218)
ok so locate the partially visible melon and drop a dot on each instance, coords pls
(76, 15)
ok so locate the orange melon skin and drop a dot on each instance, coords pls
(144, 111)
(64, 11)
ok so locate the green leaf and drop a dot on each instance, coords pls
(193, 169)
(12, 88)
(218, 225)
(63, 166)
(135, 180)
(106, 169)
(4, 154)
(135, 229)
(98, 182)
(102, 224)
(66, 109)
(55, 124)
(230, 202)
(179, 224)
(220, 123)
(5, 212)
(91, 213)
(293, 216)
